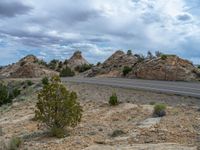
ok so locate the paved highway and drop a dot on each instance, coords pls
(171, 87)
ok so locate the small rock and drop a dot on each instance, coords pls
(117, 133)
(100, 142)
(149, 122)
(92, 133)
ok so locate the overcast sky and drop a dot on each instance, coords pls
(56, 28)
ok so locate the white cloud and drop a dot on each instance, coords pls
(57, 28)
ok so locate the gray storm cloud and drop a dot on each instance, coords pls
(11, 9)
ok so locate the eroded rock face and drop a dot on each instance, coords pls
(77, 60)
(113, 66)
(27, 67)
(170, 68)
(31, 70)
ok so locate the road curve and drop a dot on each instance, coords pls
(171, 87)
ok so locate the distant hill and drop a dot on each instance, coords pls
(77, 64)
(28, 67)
(119, 64)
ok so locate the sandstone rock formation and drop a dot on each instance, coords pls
(77, 60)
(113, 66)
(169, 68)
(27, 67)
(165, 67)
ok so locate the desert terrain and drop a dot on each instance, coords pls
(129, 125)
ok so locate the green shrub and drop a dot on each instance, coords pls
(159, 110)
(15, 143)
(163, 57)
(126, 70)
(7, 93)
(67, 72)
(58, 132)
(158, 53)
(29, 82)
(53, 64)
(83, 68)
(16, 92)
(4, 95)
(152, 103)
(60, 64)
(198, 66)
(98, 63)
(42, 62)
(57, 107)
(117, 133)
(113, 99)
(22, 63)
(140, 57)
(129, 52)
(65, 62)
(45, 80)
(149, 55)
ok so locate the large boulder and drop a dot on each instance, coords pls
(169, 67)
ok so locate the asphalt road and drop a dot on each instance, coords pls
(171, 87)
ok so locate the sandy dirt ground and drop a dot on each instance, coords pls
(129, 123)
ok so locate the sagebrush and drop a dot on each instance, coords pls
(159, 110)
(113, 99)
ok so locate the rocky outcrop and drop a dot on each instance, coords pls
(169, 67)
(119, 59)
(31, 70)
(113, 66)
(165, 67)
(77, 60)
(27, 67)
(29, 59)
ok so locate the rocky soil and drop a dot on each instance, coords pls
(129, 125)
